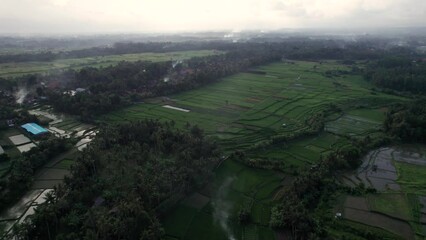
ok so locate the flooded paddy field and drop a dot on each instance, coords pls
(22, 209)
(377, 171)
(50, 175)
(398, 174)
(62, 125)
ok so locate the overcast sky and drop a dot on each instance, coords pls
(100, 16)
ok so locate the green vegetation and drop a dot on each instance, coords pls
(407, 121)
(376, 115)
(285, 130)
(392, 204)
(247, 110)
(22, 68)
(66, 164)
(279, 138)
(355, 230)
(398, 73)
(117, 185)
(20, 171)
(261, 115)
(412, 177)
(235, 187)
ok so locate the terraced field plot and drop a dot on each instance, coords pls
(353, 126)
(303, 152)
(246, 109)
(18, 69)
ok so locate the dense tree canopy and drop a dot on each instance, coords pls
(294, 47)
(124, 181)
(399, 74)
(112, 87)
(407, 121)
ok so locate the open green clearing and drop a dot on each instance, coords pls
(392, 204)
(245, 110)
(17, 69)
(412, 177)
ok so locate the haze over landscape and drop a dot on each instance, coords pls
(213, 120)
(155, 16)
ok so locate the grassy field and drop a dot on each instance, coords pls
(245, 110)
(18, 69)
(412, 177)
(392, 204)
(346, 227)
(235, 187)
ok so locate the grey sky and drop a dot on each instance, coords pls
(83, 16)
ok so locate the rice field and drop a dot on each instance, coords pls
(19, 69)
(52, 173)
(235, 186)
(246, 109)
(398, 174)
(243, 111)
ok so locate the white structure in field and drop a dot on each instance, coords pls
(176, 108)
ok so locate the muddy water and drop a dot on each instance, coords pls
(47, 177)
(12, 215)
(409, 155)
(377, 171)
(17, 210)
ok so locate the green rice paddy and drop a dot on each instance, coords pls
(412, 177)
(245, 110)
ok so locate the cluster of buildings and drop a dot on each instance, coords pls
(22, 142)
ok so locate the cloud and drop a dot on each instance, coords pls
(54, 16)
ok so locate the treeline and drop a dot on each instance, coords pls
(20, 176)
(295, 48)
(407, 121)
(10, 114)
(117, 48)
(112, 87)
(124, 182)
(402, 74)
(301, 209)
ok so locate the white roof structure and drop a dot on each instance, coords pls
(26, 147)
(1, 150)
(19, 139)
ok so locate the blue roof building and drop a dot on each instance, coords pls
(34, 128)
